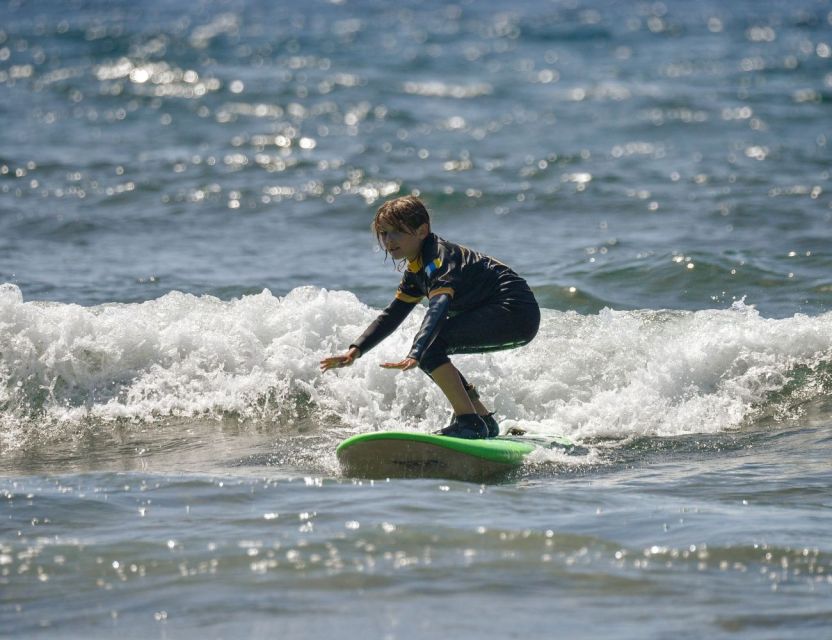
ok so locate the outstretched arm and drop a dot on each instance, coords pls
(387, 322)
(432, 324)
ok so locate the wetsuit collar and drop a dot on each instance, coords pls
(424, 257)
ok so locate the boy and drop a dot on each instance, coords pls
(476, 304)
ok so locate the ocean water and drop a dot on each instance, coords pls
(185, 198)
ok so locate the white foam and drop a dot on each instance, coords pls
(615, 374)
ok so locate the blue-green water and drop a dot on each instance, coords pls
(185, 197)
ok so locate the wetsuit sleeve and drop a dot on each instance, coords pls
(409, 290)
(386, 323)
(434, 319)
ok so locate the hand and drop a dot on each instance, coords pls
(404, 365)
(336, 362)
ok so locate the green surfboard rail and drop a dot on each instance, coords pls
(499, 450)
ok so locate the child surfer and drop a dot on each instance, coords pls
(476, 305)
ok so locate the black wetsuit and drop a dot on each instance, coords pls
(477, 304)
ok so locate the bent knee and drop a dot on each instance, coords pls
(432, 361)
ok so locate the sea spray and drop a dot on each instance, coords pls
(615, 374)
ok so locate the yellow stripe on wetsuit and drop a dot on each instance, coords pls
(440, 290)
(406, 298)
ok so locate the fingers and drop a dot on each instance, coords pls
(404, 365)
(335, 362)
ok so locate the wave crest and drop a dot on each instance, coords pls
(615, 374)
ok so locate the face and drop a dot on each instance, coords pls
(402, 244)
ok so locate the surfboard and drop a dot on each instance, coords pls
(405, 454)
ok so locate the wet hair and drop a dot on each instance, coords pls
(402, 214)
